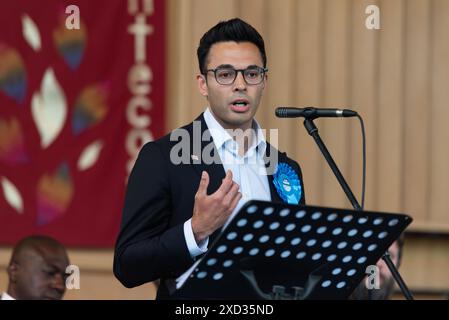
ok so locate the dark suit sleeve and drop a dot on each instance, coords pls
(147, 247)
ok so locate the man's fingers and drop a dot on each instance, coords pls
(204, 182)
(231, 193)
(235, 201)
(226, 184)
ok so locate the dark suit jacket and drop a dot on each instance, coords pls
(159, 199)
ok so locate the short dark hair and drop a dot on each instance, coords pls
(232, 30)
(34, 242)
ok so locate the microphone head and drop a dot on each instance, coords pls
(281, 112)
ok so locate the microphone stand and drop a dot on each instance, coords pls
(313, 131)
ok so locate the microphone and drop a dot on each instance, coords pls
(313, 113)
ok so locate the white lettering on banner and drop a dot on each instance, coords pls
(139, 81)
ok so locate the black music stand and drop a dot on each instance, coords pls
(279, 251)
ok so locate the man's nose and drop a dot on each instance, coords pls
(239, 83)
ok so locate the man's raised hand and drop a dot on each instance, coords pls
(210, 212)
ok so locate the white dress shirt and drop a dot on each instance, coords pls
(248, 171)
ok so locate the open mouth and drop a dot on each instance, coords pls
(240, 105)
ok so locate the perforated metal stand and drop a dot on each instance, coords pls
(279, 251)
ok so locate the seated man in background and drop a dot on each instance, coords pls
(37, 270)
(386, 280)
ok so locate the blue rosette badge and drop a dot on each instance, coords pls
(287, 184)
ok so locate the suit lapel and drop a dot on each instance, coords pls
(214, 168)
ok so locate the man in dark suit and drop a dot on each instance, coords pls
(185, 187)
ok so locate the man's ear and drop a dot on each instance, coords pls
(13, 270)
(202, 85)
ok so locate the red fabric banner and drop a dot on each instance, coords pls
(81, 89)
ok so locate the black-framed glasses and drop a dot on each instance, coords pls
(227, 75)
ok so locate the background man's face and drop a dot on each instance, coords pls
(223, 97)
(41, 274)
(386, 280)
(384, 272)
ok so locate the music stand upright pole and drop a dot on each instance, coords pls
(313, 131)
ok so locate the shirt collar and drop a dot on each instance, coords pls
(221, 136)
